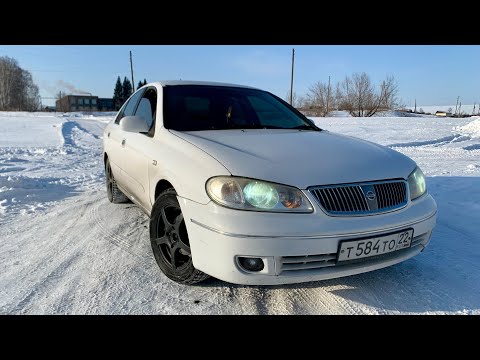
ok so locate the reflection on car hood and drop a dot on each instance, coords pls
(300, 158)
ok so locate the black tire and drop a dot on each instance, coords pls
(169, 239)
(113, 192)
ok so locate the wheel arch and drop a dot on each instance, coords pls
(161, 186)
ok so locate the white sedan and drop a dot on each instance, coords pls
(241, 186)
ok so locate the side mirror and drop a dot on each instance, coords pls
(135, 124)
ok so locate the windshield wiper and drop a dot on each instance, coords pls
(252, 126)
(306, 127)
(259, 126)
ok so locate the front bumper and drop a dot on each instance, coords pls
(219, 235)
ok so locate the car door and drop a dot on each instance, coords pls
(116, 139)
(113, 146)
(139, 150)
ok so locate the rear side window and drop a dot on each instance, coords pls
(130, 106)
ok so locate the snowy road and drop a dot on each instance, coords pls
(64, 249)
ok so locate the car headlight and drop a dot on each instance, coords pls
(256, 195)
(417, 184)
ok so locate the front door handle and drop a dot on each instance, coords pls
(123, 142)
(154, 162)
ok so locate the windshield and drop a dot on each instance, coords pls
(200, 107)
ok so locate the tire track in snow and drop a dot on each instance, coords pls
(46, 282)
(327, 292)
(312, 300)
(114, 237)
(325, 297)
(145, 260)
(455, 138)
(56, 273)
(68, 128)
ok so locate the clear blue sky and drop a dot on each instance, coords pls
(434, 75)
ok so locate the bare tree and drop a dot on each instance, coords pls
(320, 99)
(358, 95)
(17, 89)
(297, 101)
(29, 100)
(387, 99)
(8, 74)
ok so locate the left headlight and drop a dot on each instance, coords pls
(417, 184)
(250, 194)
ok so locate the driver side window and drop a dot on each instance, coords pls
(129, 108)
(147, 109)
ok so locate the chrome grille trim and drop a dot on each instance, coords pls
(351, 199)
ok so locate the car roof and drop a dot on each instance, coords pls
(190, 82)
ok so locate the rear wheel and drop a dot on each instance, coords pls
(113, 192)
(169, 239)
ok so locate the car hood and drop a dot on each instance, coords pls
(300, 158)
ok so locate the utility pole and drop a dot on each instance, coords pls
(415, 106)
(131, 68)
(291, 80)
(328, 94)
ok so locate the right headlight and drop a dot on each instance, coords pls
(417, 184)
(256, 195)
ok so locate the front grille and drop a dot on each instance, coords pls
(290, 263)
(298, 264)
(361, 199)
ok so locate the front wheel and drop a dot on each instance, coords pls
(170, 243)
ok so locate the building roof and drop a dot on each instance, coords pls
(80, 95)
(190, 82)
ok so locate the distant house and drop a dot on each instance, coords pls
(105, 104)
(442, 113)
(83, 103)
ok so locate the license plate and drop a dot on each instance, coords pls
(357, 249)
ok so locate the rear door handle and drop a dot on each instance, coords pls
(108, 135)
(123, 142)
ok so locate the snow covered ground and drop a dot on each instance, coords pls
(64, 249)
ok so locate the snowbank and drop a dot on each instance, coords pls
(46, 158)
(472, 128)
(29, 130)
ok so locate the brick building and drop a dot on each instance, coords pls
(84, 103)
